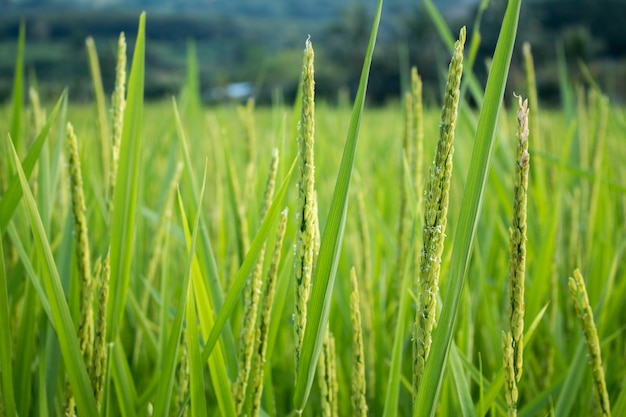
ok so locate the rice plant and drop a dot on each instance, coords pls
(163, 275)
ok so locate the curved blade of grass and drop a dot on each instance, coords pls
(6, 383)
(448, 39)
(330, 247)
(196, 376)
(29, 269)
(168, 373)
(428, 394)
(101, 110)
(395, 372)
(62, 320)
(205, 255)
(239, 281)
(461, 383)
(11, 197)
(17, 102)
(217, 360)
(123, 378)
(123, 221)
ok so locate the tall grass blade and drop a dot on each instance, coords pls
(217, 360)
(62, 320)
(428, 395)
(123, 221)
(205, 254)
(17, 101)
(168, 373)
(103, 124)
(6, 383)
(196, 383)
(11, 198)
(326, 267)
(239, 281)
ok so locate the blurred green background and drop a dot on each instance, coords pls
(258, 44)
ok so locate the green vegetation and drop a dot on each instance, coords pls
(165, 258)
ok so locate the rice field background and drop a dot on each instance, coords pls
(167, 258)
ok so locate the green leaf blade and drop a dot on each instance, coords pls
(123, 221)
(62, 320)
(326, 268)
(426, 403)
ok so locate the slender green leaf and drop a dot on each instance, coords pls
(196, 376)
(75, 366)
(168, 372)
(8, 398)
(330, 247)
(217, 363)
(123, 378)
(239, 281)
(123, 221)
(17, 102)
(428, 395)
(11, 197)
(206, 257)
(395, 373)
(461, 383)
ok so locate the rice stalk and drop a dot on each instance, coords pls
(405, 221)
(103, 126)
(252, 293)
(99, 362)
(305, 214)
(417, 157)
(513, 352)
(83, 254)
(359, 404)
(262, 331)
(158, 245)
(435, 217)
(118, 101)
(367, 294)
(327, 369)
(180, 408)
(578, 292)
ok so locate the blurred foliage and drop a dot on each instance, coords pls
(244, 42)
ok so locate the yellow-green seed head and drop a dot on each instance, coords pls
(306, 215)
(435, 216)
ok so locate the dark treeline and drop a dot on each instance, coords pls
(264, 48)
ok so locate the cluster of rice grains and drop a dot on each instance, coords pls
(92, 326)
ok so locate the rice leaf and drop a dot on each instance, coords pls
(400, 334)
(330, 247)
(168, 374)
(461, 383)
(196, 385)
(205, 255)
(239, 281)
(11, 197)
(123, 219)
(428, 395)
(123, 378)
(17, 101)
(206, 317)
(62, 320)
(6, 383)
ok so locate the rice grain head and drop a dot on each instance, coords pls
(262, 331)
(83, 254)
(305, 215)
(435, 217)
(359, 404)
(118, 101)
(578, 292)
